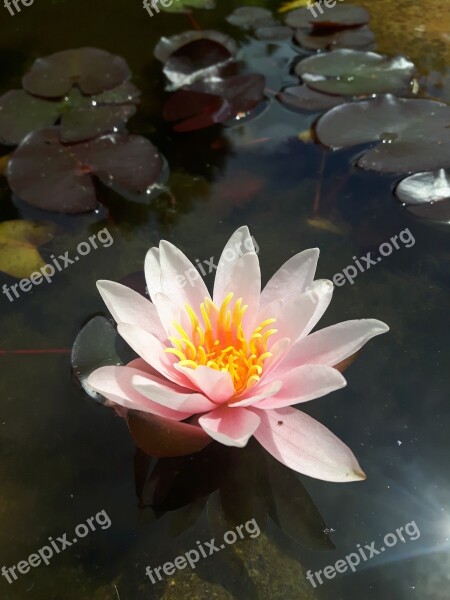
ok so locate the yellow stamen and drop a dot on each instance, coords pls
(218, 341)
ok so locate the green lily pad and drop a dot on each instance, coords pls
(184, 6)
(301, 97)
(361, 38)
(341, 16)
(354, 72)
(427, 195)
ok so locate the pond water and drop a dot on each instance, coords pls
(66, 458)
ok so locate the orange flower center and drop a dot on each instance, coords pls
(220, 342)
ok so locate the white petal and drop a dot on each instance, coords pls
(152, 272)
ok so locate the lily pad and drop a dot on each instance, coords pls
(411, 134)
(95, 346)
(161, 437)
(19, 256)
(211, 101)
(361, 38)
(341, 16)
(186, 6)
(273, 33)
(91, 69)
(354, 72)
(301, 97)
(81, 117)
(427, 195)
(167, 46)
(246, 16)
(57, 177)
(194, 60)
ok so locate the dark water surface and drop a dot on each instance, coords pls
(64, 458)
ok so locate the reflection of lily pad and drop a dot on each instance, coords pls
(427, 195)
(354, 72)
(19, 256)
(412, 134)
(81, 117)
(301, 97)
(361, 38)
(333, 18)
(56, 177)
(91, 69)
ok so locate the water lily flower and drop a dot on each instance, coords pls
(236, 363)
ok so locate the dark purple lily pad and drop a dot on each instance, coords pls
(57, 177)
(274, 33)
(246, 16)
(167, 46)
(91, 69)
(193, 60)
(211, 101)
(301, 97)
(361, 38)
(82, 117)
(411, 134)
(341, 16)
(354, 72)
(161, 437)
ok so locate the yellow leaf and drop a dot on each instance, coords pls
(305, 136)
(19, 256)
(286, 6)
(4, 160)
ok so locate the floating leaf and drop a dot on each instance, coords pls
(82, 117)
(354, 72)
(19, 256)
(287, 6)
(193, 60)
(4, 160)
(91, 69)
(301, 97)
(328, 225)
(246, 16)
(323, 18)
(361, 38)
(56, 177)
(211, 101)
(167, 46)
(186, 5)
(274, 33)
(161, 437)
(95, 346)
(427, 195)
(412, 134)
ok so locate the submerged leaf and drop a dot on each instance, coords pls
(56, 177)
(411, 134)
(91, 69)
(354, 72)
(19, 256)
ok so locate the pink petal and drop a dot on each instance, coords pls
(331, 345)
(295, 319)
(180, 279)
(303, 444)
(167, 396)
(152, 351)
(216, 385)
(230, 427)
(152, 270)
(128, 306)
(259, 392)
(239, 244)
(304, 383)
(293, 278)
(115, 384)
